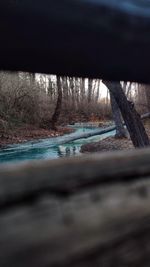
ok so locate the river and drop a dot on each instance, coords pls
(49, 148)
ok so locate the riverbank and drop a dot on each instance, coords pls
(107, 144)
(49, 148)
(28, 133)
(112, 143)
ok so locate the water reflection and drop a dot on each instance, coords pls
(67, 151)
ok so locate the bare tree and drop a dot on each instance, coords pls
(82, 89)
(57, 111)
(97, 92)
(72, 87)
(90, 83)
(65, 88)
(120, 130)
(147, 93)
(127, 88)
(132, 119)
(77, 90)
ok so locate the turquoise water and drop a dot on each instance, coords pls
(50, 148)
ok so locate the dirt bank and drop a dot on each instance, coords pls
(29, 133)
(108, 144)
(112, 143)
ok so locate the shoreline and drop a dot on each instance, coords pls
(27, 132)
(108, 144)
(30, 133)
(111, 143)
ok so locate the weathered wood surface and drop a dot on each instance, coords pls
(106, 227)
(82, 38)
(104, 221)
(26, 182)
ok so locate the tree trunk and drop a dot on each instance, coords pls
(147, 92)
(65, 88)
(56, 114)
(132, 119)
(50, 89)
(90, 83)
(120, 130)
(97, 93)
(77, 91)
(32, 78)
(72, 87)
(82, 89)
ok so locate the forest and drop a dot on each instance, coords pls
(34, 106)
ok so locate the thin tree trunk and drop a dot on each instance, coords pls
(50, 89)
(90, 83)
(132, 119)
(147, 92)
(129, 89)
(56, 114)
(32, 78)
(107, 99)
(82, 89)
(65, 88)
(72, 91)
(77, 91)
(97, 93)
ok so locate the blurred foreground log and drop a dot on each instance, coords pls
(85, 211)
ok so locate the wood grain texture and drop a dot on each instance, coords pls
(83, 211)
(26, 182)
(107, 226)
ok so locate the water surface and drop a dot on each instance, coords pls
(49, 148)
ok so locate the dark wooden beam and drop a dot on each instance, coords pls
(104, 39)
